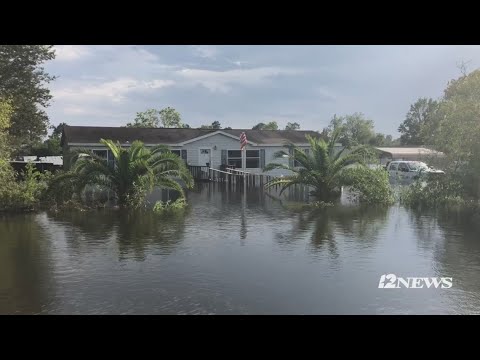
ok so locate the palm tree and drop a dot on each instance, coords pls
(321, 168)
(135, 169)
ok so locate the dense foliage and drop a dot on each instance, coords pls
(136, 171)
(24, 81)
(320, 169)
(437, 192)
(24, 193)
(369, 186)
(152, 118)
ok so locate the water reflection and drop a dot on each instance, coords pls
(132, 233)
(24, 265)
(452, 240)
(236, 252)
(325, 226)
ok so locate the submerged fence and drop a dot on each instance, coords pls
(229, 175)
(239, 180)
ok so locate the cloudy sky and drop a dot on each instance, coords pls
(240, 86)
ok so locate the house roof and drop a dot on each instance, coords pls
(408, 151)
(170, 136)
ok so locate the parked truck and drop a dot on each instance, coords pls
(409, 171)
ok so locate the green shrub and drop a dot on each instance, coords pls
(368, 186)
(168, 206)
(444, 191)
(21, 195)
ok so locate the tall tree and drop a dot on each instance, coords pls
(353, 129)
(167, 117)
(24, 80)
(272, 125)
(292, 126)
(418, 118)
(384, 140)
(5, 114)
(51, 146)
(456, 128)
(146, 119)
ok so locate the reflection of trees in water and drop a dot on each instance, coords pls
(133, 231)
(24, 267)
(139, 230)
(323, 226)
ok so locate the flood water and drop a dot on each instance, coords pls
(236, 253)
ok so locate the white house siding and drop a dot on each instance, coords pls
(223, 142)
(218, 140)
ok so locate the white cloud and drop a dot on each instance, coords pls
(206, 51)
(70, 52)
(223, 81)
(114, 91)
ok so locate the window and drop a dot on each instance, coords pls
(252, 159)
(234, 158)
(107, 155)
(403, 167)
(393, 167)
(296, 163)
(181, 153)
(101, 153)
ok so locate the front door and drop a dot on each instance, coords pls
(205, 157)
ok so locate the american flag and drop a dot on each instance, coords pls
(243, 140)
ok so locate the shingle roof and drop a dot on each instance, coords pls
(93, 134)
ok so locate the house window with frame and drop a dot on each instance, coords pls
(234, 158)
(182, 153)
(252, 159)
(107, 155)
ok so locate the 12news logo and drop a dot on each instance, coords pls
(391, 281)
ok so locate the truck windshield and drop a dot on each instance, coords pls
(417, 166)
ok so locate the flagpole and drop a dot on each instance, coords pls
(244, 159)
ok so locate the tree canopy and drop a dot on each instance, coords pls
(292, 126)
(412, 129)
(24, 81)
(5, 114)
(51, 146)
(167, 118)
(272, 125)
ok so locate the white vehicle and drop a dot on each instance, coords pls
(408, 171)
